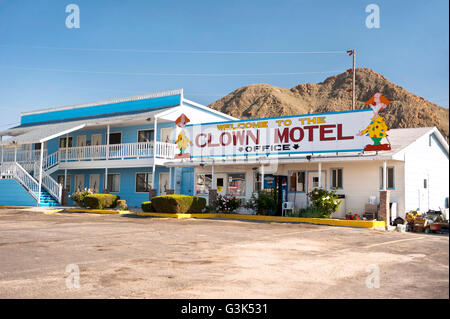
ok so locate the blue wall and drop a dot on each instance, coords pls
(83, 112)
(12, 193)
(127, 181)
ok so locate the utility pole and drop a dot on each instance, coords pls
(353, 70)
(353, 82)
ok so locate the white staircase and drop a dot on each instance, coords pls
(51, 192)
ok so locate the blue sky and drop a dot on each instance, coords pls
(40, 68)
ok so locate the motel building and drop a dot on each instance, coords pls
(406, 171)
(162, 143)
(117, 146)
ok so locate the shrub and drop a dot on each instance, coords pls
(325, 201)
(147, 207)
(227, 204)
(100, 201)
(178, 204)
(307, 212)
(122, 204)
(78, 197)
(265, 202)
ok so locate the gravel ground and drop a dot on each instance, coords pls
(124, 256)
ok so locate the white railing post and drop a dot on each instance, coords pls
(40, 173)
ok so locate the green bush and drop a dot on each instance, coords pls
(178, 204)
(78, 197)
(227, 204)
(100, 201)
(263, 204)
(307, 212)
(325, 201)
(147, 207)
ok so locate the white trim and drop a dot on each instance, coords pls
(210, 109)
(105, 102)
(76, 128)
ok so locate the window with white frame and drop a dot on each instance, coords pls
(115, 138)
(113, 183)
(143, 182)
(146, 135)
(60, 180)
(297, 181)
(64, 140)
(204, 182)
(390, 178)
(236, 184)
(336, 178)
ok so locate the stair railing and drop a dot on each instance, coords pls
(52, 186)
(16, 171)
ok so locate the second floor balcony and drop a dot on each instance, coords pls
(137, 150)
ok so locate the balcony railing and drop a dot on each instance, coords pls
(117, 151)
(11, 155)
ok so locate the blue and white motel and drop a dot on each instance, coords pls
(119, 145)
(127, 147)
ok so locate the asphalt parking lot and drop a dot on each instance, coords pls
(122, 256)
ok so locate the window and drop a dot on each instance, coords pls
(60, 180)
(336, 178)
(62, 142)
(115, 138)
(236, 184)
(204, 182)
(424, 183)
(143, 182)
(145, 135)
(390, 178)
(297, 181)
(113, 183)
(79, 182)
(37, 146)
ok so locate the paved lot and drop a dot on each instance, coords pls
(131, 257)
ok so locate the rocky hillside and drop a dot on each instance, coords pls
(264, 100)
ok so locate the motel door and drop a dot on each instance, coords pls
(221, 183)
(81, 141)
(94, 182)
(313, 180)
(164, 183)
(96, 140)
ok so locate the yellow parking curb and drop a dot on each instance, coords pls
(94, 211)
(15, 207)
(321, 221)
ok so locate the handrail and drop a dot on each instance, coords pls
(117, 151)
(16, 171)
(52, 186)
(11, 155)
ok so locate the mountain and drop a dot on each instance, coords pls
(264, 100)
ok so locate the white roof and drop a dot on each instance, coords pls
(42, 133)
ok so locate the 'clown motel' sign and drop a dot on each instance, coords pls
(298, 134)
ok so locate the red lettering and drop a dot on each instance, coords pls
(301, 134)
(323, 131)
(210, 144)
(228, 135)
(197, 138)
(238, 136)
(311, 131)
(253, 137)
(340, 136)
(284, 137)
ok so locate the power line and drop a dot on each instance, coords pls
(168, 74)
(177, 51)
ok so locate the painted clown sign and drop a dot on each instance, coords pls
(334, 132)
